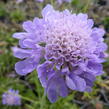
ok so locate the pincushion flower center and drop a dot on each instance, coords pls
(70, 45)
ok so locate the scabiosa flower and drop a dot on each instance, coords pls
(11, 97)
(107, 55)
(40, 0)
(19, 1)
(72, 51)
(61, 1)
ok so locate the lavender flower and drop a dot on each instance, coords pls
(61, 1)
(11, 97)
(19, 1)
(40, 0)
(72, 48)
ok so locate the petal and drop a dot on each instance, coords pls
(44, 71)
(70, 83)
(25, 67)
(59, 1)
(21, 43)
(57, 84)
(103, 47)
(89, 82)
(68, 0)
(43, 81)
(21, 53)
(98, 32)
(43, 68)
(38, 23)
(94, 58)
(52, 95)
(90, 23)
(51, 89)
(61, 87)
(20, 35)
(83, 66)
(47, 10)
(100, 73)
(88, 89)
(94, 67)
(29, 43)
(82, 16)
(40, 0)
(88, 76)
(28, 26)
(79, 82)
(77, 71)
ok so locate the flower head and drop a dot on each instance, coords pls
(61, 1)
(19, 1)
(72, 48)
(11, 97)
(40, 0)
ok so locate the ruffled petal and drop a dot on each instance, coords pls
(98, 33)
(95, 68)
(28, 26)
(62, 87)
(21, 43)
(79, 82)
(89, 79)
(88, 76)
(88, 89)
(25, 67)
(21, 53)
(82, 16)
(44, 71)
(52, 95)
(29, 43)
(70, 83)
(20, 35)
(58, 86)
(47, 10)
(90, 23)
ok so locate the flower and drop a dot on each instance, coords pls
(19, 1)
(107, 55)
(11, 97)
(66, 50)
(61, 1)
(40, 0)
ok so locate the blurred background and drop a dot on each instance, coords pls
(12, 14)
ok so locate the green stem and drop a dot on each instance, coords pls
(42, 102)
(28, 99)
(30, 107)
(52, 2)
(86, 7)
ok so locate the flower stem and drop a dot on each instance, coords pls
(85, 9)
